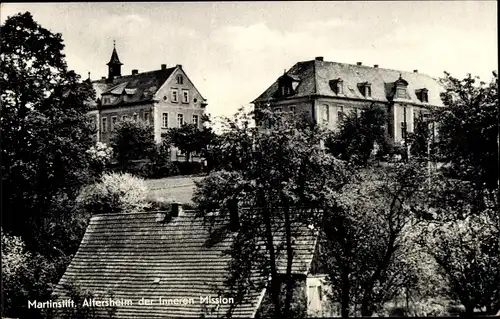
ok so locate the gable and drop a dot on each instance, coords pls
(172, 83)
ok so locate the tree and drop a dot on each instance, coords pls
(190, 139)
(132, 140)
(464, 240)
(356, 139)
(420, 140)
(465, 224)
(45, 131)
(45, 138)
(26, 276)
(364, 237)
(275, 196)
(468, 130)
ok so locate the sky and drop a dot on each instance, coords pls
(233, 51)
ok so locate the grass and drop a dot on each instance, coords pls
(176, 188)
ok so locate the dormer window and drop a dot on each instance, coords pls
(337, 86)
(287, 85)
(423, 95)
(400, 86)
(365, 89)
(107, 99)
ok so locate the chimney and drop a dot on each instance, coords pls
(135, 72)
(415, 71)
(163, 66)
(176, 209)
(179, 66)
(318, 58)
(103, 78)
(359, 63)
(375, 65)
(234, 218)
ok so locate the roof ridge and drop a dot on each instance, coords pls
(371, 67)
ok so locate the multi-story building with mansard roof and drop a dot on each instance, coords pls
(328, 90)
(164, 98)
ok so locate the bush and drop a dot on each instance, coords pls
(189, 168)
(132, 141)
(26, 276)
(160, 164)
(115, 193)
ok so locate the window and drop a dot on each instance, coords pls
(104, 125)
(93, 122)
(146, 117)
(403, 129)
(180, 119)
(164, 120)
(180, 79)
(365, 88)
(124, 117)
(175, 98)
(106, 100)
(185, 96)
(423, 95)
(135, 117)
(113, 123)
(368, 91)
(195, 120)
(292, 109)
(285, 90)
(325, 113)
(340, 87)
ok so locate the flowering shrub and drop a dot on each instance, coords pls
(100, 155)
(114, 193)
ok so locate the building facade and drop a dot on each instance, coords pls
(164, 98)
(326, 91)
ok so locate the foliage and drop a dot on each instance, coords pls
(359, 135)
(72, 291)
(26, 276)
(468, 129)
(189, 168)
(115, 193)
(132, 140)
(45, 130)
(277, 195)
(420, 139)
(160, 164)
(364, 236)
(462, 236)
(100, 156)
(468, 253)
(190, 139)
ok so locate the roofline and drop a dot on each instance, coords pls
(104, 81)
(112, 106)
(371, 67)
(344, 98)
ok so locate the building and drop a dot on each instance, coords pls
(329, 90)
(163, 98)
(166, 255)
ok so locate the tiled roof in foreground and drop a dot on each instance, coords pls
(135, 256)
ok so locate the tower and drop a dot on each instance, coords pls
(114, 64)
